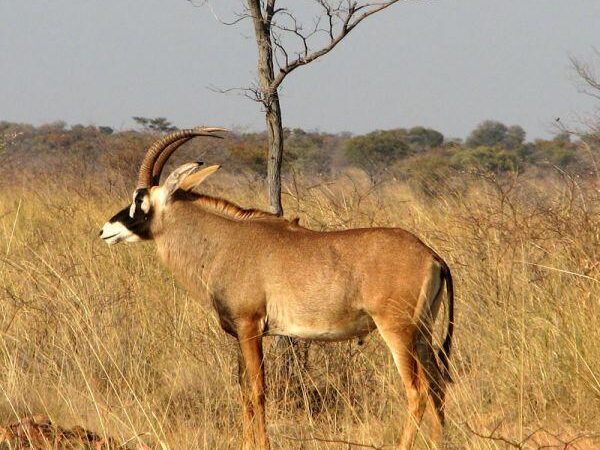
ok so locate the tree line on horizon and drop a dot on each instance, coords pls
(417, 152)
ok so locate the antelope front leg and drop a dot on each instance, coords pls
(247, 409)
(252, 382)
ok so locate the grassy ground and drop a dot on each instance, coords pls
(103, 337)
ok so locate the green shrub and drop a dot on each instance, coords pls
(491, 133)
(557, 152)
(421, 139)
(495, 159)
(306, 151)
(377, 150)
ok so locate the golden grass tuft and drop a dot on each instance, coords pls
(104, 338)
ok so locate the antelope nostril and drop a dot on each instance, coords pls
(101, 231)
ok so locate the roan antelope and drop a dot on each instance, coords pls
(268, 276)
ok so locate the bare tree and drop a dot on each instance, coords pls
(286, 43)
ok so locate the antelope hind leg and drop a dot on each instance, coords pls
(402, 346)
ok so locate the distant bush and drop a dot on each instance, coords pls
(374, 151)
(160, 124)
(557, 153)
(306, 151)
(247, 152)
(491, 133)
(421, 139)
(494, 159)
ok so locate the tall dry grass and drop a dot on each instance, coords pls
(103, 337)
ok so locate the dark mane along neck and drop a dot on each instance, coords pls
(224, 207)
(230, 209)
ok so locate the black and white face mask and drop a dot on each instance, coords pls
(132, 223)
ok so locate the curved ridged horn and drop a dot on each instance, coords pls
(145, 174)
(163, 157)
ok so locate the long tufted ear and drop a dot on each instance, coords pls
(192, 180)
(175, 178)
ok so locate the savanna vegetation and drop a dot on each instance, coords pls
(405, 154)
(103, 337)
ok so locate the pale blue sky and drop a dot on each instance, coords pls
(447, 64)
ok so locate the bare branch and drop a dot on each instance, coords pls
(521, 445)
(239, 17)
(253, 92)
(278, 47)
(349, 17)
(270, 11)
(588, 77)
(493, 437)
(297, 30)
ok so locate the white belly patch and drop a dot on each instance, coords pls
(320, 330)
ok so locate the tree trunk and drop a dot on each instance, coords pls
(274, 155)
(270, 100)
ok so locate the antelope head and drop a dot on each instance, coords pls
(136, 222)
